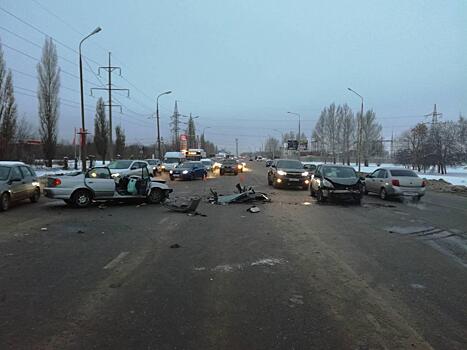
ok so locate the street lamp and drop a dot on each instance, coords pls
(298, 138)
(359, 127)
(83, 130)
(158, 128)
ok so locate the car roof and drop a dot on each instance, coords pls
(338, 165)
(11, 163)
(394, 168)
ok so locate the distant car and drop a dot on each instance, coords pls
(230, 166)
(309, 166)
(259, 159)
(121, 167)
(394, 182)
(208, 163)
(251, 159)
(189, 171)
(336, 182)
(18, 181)
(269, 163)
(155, 166)
(79, 190)
(288, 173)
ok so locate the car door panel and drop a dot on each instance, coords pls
(100, 182)
(370, 181)
(17, 188)
(28, 180)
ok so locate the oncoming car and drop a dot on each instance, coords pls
(189, 171)
(18, 181)
(230, 166)
(288, 173)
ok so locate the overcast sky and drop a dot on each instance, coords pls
(241, 65)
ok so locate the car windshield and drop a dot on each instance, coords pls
(289, 164)
(229, 162)
(187, 165)
(402, 172)
(4, 173)
(120, 164)
(171, 160)
(339, 172)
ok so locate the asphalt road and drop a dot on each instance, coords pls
(297, 275)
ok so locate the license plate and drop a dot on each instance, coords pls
(176, 175)
(410, 194)
(294, 180)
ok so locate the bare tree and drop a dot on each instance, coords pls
(119, 141)
(101, 129)
(48, 89)
(272, 146)
(371, 136)
(8, 119)
(347, 122)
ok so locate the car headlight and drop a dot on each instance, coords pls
(327, 183)
(171, 172)
(239, 166)
(305, 173)
(163, 166)
(281, 173)
(185, 172)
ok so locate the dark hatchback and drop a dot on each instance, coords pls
(336, 181)
(189, 171)
(288, 173)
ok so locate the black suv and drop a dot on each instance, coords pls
(288, 173)
(229, 166)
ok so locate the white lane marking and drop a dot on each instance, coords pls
(163, 220)
(268, 261)
(236, 267)
(115, 261)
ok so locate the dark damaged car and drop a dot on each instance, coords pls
(339, 182)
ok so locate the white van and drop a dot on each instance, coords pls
(172, 159)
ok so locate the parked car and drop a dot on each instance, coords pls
(18, 181)
(268, 163)
(230, 166)
(122, 167)
(155, 166)
(189, 171)
(288, 173)
(208, 164)
(336, 182)
(395, 182)
(79, 190)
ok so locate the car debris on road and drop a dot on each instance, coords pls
(184, 207)
(244, 195)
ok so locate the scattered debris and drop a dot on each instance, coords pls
(296, 299)
(254, 209)
(244, 195)
(184, 207)
(268, 262)
(197, 214)
(80, 232)
(417, 286)
(202, 268)
(102, 206)
(43, 228)
(176, 245)
(306, 203)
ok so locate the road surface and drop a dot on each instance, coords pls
(297, 275)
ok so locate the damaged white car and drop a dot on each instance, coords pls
(80, 190)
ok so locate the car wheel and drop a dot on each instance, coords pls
(156, 196)
(4, 202)
(312, 191)
(269, 181)
(319, 196)
(82, 198)
(383, 194)
(35, 196)
(358, 200)
(221, 173)
(235, 173)
(171, 178)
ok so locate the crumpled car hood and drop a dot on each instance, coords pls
(343, 181)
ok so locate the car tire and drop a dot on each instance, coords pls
(35, 196)
(358, 200)
(235, 173)
(319, 196)
(312, 191)
(81, 198)
(221, 173)
(269, 181)
(156, 196)
(4, 202)
(171, 178)
(383, 194)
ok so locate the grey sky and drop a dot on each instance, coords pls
(241, 65)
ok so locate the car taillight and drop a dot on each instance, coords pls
(423, 183)
(395, 182)
(56, 182)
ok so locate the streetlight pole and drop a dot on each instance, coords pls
(299, 132)
(83, 129)
(159, 155)
(359, 127)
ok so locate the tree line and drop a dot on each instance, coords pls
(435, 145)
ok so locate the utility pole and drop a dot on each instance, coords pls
(434, 116)
(109, 104)
(236, 147)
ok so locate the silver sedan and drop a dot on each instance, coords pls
(395, 182)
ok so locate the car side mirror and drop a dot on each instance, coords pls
(134, 167)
